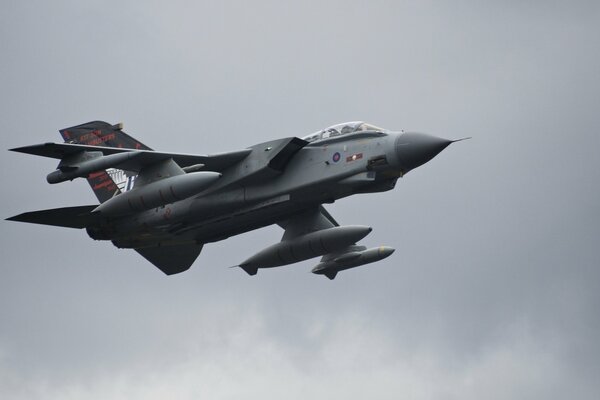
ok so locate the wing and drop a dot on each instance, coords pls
(215, 162)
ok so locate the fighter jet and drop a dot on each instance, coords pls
(167, 206)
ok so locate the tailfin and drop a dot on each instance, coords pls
(110, 182)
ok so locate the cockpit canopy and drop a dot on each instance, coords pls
(343, 129)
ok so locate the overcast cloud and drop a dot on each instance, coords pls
(493, 291)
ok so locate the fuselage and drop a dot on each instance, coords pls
(323, 171)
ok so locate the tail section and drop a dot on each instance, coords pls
(110, 182)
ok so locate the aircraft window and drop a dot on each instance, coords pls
(343, 129)
(369, 127)
(348, 129)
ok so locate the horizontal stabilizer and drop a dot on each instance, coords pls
(69, 217)
(172, 259)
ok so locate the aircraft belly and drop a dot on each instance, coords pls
(199, 229)
(244, 220)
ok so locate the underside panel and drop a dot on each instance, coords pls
(244, 220)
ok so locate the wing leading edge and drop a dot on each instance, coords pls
(214, 162)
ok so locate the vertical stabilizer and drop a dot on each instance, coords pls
(110, 182)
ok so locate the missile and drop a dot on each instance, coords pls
(332, 264)
(307, 246)
(84, 168)
(159, 193)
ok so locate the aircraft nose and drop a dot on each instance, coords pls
(415, 149)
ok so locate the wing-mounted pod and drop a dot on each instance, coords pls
(82, 164)
(351, 257)
(310, 234)
(304, 247)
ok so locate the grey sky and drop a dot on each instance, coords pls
(494, 287)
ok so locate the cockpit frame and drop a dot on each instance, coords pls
(343, 129)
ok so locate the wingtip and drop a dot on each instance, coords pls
(30, 148)
(17, 149)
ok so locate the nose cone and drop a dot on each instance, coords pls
(415, 149)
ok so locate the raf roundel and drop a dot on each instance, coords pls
(336, 157)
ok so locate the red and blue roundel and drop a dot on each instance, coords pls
(336, 157)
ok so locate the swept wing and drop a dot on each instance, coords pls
(214, 162)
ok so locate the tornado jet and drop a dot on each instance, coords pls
(167, 206)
